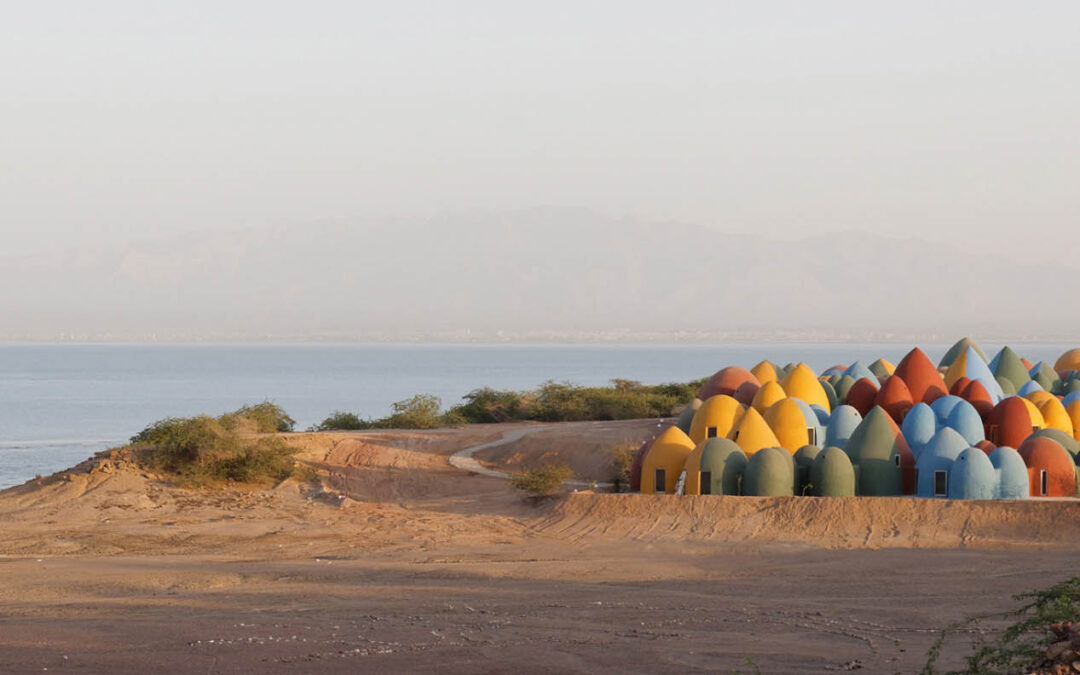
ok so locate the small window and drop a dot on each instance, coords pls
(897, 459)
(706, 483)
(660, 482)
(1035, 429)
(811, 435)
(992, 434)
(710, 432)
(941, 483)
(736, 436)
(1044, 482)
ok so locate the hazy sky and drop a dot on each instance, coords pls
(942, 119)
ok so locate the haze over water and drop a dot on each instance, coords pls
(62, 403)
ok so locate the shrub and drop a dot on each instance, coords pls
(266, 418)
(488, 405)
(622, 458)
(422, 411)
(1023, 646)
(204, 450)
(544, 481)
(340, 420)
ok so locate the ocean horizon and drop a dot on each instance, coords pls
(65, 401)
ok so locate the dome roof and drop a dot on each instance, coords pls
(879, 450)
(767, 395)
(770, 472)
(765, 372)
(725, 381)
(895, 398)
(788, 423)
(882, 368)
(861, 396)
(752, 433)
(961, 347)
(831, 474)
(720, 411)
(842, 423)
(1007, 364)
(801, 382)
(1070, 360)
(921, 377)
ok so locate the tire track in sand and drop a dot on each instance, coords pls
(463, 459)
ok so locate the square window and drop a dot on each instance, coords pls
(710, 432)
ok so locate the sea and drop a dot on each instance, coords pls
(61, 403)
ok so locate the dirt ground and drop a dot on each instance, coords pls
(398, 562)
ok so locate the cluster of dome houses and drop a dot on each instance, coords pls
(968, 428)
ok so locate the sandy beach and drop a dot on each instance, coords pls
(396, 561)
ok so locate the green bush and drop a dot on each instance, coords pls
(339, 420)
(266, 417)
(552, 402)
(1022, 647)
(204, 450)
(543, 481)
(422, 411)
(488, 405)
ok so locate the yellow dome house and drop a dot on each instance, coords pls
(766, 396)
(665, 460)
(788, 423)
(765, 373)
(1055, 416)
(753, 433)
(802, 383)
(715, 418)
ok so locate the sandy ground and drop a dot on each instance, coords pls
(398, 562)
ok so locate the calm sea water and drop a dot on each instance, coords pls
(61, 403)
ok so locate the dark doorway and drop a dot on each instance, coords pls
(661, 481)
(941, 483)
(706, 483)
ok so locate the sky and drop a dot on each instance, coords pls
(949, 121)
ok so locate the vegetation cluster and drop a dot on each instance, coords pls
(1044, 639)
(544, 481)
(204, 450)
(552, 402)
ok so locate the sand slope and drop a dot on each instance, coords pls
(395, 561)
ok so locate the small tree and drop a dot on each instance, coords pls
(544, 481)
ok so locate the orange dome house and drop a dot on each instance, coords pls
(726, 381)
(715, 418)
(921, 377)
(1012, 421)
(788, 423)
(895, 398)
(766, 396)
(753, 433)
(802, 383)
(1051, 471)
(1070, 360)
(979, 398)
(746, 392)
(665, 460)
(862, 395)
(958, 387)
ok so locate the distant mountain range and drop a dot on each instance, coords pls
(542, 274)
